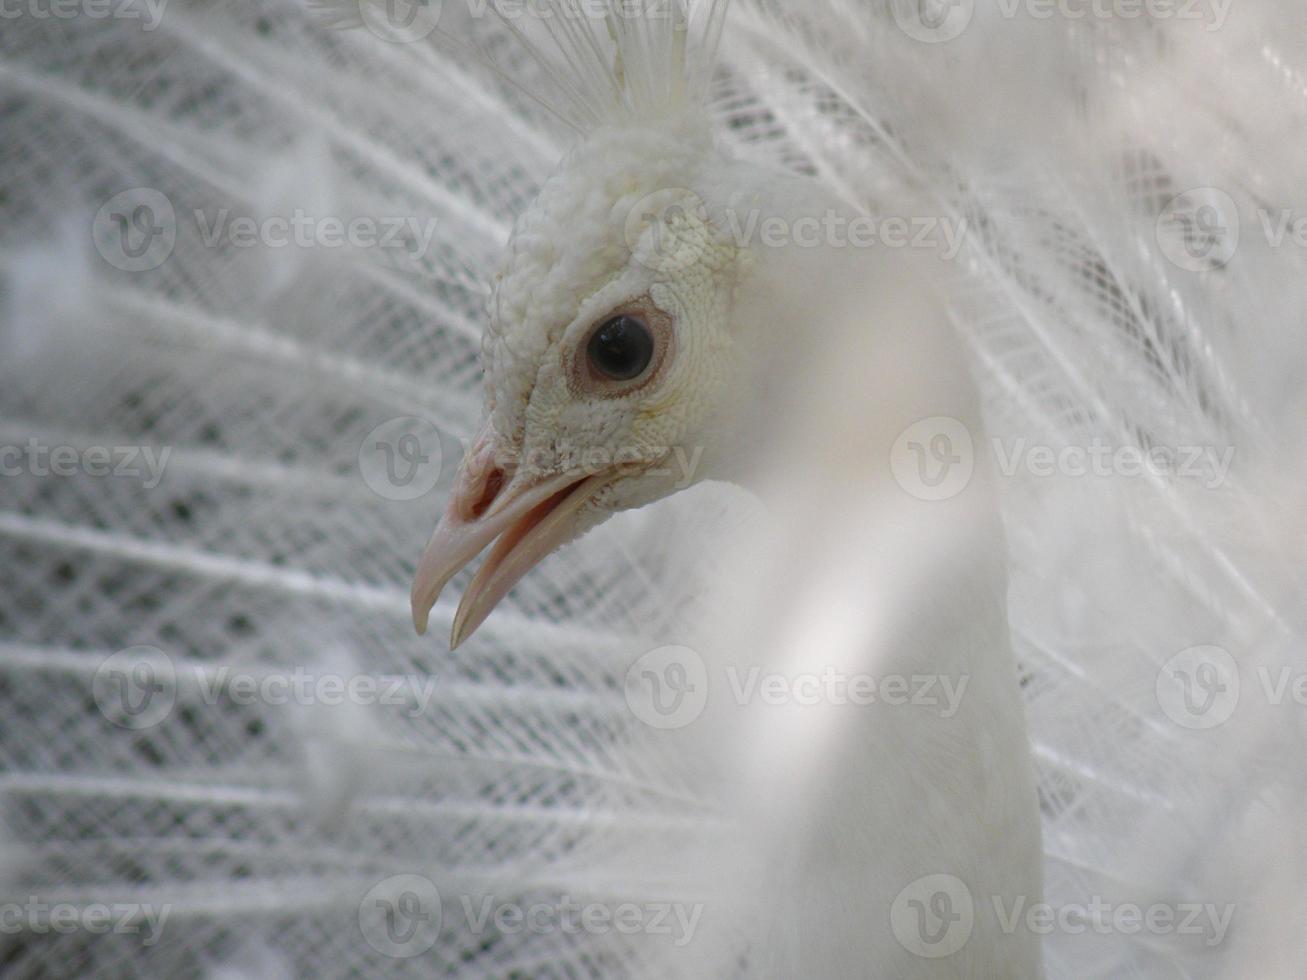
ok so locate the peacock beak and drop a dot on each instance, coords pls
(530, 519)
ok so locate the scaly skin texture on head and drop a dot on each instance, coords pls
(616, 224)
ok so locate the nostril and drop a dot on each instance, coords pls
(494, 482)
(480, 480)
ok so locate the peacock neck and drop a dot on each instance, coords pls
(850, 350)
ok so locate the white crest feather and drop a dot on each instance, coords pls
(607, 61)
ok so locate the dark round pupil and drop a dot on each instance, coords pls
(621, 349)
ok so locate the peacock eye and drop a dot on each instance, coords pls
(623, 353)
(622, 348)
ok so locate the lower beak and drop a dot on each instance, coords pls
(529, 520)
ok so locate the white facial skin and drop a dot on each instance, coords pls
(617, 230)
(621, 229)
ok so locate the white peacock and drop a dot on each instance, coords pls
(1102, 753)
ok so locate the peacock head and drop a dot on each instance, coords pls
(608, 359)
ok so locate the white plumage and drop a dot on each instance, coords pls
(282, 423)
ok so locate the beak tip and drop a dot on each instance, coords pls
(420, 617)
(471, 613)
(459, 631)
(528, 525)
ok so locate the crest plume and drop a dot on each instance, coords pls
(605, 61)
(630, 62)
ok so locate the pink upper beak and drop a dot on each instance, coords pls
(534, 517)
